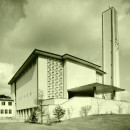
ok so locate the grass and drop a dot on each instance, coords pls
(102, 122)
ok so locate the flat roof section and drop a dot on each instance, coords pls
(100, 88)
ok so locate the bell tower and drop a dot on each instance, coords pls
(110, 48)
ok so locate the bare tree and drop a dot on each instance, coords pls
(99, 105)
(119, 108)
(85, 110)
(70, 112)
(39, 102)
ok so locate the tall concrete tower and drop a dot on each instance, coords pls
(110, 48)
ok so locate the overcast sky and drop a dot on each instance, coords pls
(59, 26)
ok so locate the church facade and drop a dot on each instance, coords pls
(53, 74)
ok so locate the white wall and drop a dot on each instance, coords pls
(26, 89)
(98, 106)
(107, 46)
(98, 78)
(42, 75)
(13, 95)
(111, 64)
(77, 75)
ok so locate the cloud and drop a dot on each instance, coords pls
(60, 26)
(10, 13)
(6, 72)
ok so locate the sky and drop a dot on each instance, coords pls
(59, 26)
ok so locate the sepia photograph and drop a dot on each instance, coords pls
(64, 65)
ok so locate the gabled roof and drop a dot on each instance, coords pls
(37, 53)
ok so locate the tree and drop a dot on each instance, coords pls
(58, 112)
(119, 108)
(39, 103)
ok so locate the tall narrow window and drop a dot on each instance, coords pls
(10, 111)
(6, 111)
(2, 111)
(3, 103)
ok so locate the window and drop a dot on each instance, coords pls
(2, 111)
(3, 103)
(6, 111)
(10, 111)
(9, 103)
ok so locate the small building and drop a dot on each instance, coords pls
(6, 106)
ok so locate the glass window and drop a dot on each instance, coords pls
(3, 103)
(10, 111)
(6, 111)
(2, 111)
(9, 103)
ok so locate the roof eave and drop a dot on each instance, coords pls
(79, 60)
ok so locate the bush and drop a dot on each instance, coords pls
(33, 117)
(58, 113)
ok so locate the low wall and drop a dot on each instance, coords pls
(79, 106)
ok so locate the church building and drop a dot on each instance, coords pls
(70, 81)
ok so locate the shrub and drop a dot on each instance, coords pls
(33, 117)
(84, 110)
(58, 112)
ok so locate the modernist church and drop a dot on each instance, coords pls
(68, 80)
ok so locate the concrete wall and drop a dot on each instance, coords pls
(54, 101)
(107, 47)
(13, 96)
(26, 88)
(7, 107)
(98, 106)
(99, 78)
(77, 75)
(42, 75)
(110, 48)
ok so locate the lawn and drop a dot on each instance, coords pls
(102, 122)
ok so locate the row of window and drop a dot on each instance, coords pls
(4, 103)
(27, 95)
(5, 111)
